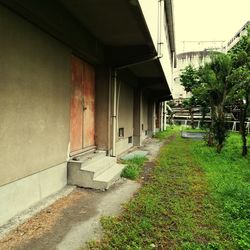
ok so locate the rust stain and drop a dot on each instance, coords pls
(82, 124)
(76, 124)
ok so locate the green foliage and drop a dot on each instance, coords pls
(133, 167)
(240, 78)
(215, 85)
(224, 80)
(191, 81)
(189, 78)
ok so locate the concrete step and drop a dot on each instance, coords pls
(96, 171)
(98, 165)
(108, 177)
(87, 157)
(85, 151)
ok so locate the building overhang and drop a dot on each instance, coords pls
(112, 32)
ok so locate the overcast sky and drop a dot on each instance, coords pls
(208, 19)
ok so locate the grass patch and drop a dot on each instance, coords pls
(169, 131)
(133, 167)
(228, 174)
(194, 199)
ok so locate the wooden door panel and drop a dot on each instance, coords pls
(89, 105)
(76, 118)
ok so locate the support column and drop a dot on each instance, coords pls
(103, 108)
(154, 119)
(151, 118)
(165, 116)
(161, 116)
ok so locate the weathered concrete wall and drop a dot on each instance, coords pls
(144, 108)
(125, 116)
(125, 110)
(137, 117)
(21, 194)
(151, 118)
(34, 99)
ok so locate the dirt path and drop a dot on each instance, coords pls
(82, 208)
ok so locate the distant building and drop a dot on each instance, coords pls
(235, 39)
(194, 58)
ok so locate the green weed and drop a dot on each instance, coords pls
(133, 167)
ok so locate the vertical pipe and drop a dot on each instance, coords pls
(109, 109)
(165, 116)
(161, 121)
(114, 115)
(159, 37)
(118, 103)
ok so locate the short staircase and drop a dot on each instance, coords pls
(94, 170)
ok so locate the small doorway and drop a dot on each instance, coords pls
(82, 121)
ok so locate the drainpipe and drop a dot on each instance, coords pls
(165, 116)
(159, 28)
(114, 122)
(118, 102)
(161, 116)
(109, 111)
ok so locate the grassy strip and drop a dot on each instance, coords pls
(133, 167)
(172, 210)
(229, 177)
(163, 134)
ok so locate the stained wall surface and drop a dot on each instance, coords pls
(34, 99)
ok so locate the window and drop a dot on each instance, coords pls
(121, 132)
(130, 139)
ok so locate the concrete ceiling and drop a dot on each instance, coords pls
(113, 22)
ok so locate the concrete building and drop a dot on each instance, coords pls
(77, 77)
(194, 58)
(235, 39)
(196, 53)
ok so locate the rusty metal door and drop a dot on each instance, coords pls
(82, 113)
(89, 105)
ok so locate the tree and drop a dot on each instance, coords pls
(214, 80)
(189, 78)
(190, 103)
(240, 78)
